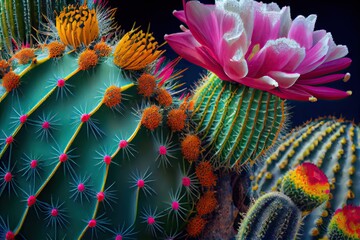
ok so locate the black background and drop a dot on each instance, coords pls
(341, 18)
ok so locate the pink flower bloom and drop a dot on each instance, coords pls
(260, 46)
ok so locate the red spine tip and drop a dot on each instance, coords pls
(63, 157)
(9, 140)
(61, 82)
(8, 177)
(140, 183)
(23, 118)
(92, 223)
(54, 212)
(186, 181)
(31, 201)
(100, 196)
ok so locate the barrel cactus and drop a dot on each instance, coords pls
(278, 215)
(91, 139)
(333, 145)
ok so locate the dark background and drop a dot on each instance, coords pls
(341, 18)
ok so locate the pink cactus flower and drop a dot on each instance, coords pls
(260, 46)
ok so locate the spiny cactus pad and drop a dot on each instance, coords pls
(82, 154)
(237, 123)
(332, 145)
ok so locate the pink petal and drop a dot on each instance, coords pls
(218, 32)
(329, 67)
(236, 69)
(270, 23)
(321, 80)
(180, 15)
(302, 29)
(337, 52)
(265, 83)
(285, 80)
(315, 56)
(318, 35)
(244, 12)
(187, 47)
(292, 93)
(277, 55)
(325, 92)
(158, 64)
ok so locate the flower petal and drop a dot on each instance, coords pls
(180, 15)
(329, 67)
(270, 23)
(265, 83)
(187, 47)
(284, 79)
(315, 56)
(277, 55)
(322, 80)
(292, 93)
(325, 92)
(301, 30)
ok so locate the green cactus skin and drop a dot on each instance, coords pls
(272, 217)
(140, 212)
(237, 123)
(19, 17)
(331, 144)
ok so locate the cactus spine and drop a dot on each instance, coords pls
(333, 145)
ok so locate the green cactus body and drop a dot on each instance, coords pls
(273, 217)
(238, 123)
(19, 17)
(98, 172)
(333, 145)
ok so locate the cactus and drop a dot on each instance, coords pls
(273, 216)
(89, 144)
(333, 145)
(278, 215)
(236, 122)
(18, 18)
(345, 224)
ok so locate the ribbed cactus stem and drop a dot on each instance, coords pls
(238, 123)
(272, 217)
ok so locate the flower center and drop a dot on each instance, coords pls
(77, 25)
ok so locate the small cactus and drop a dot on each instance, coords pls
(278, 215)
(331, 144)
(84, 151)
(273, 216)
(345, 224)
(307, 186)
